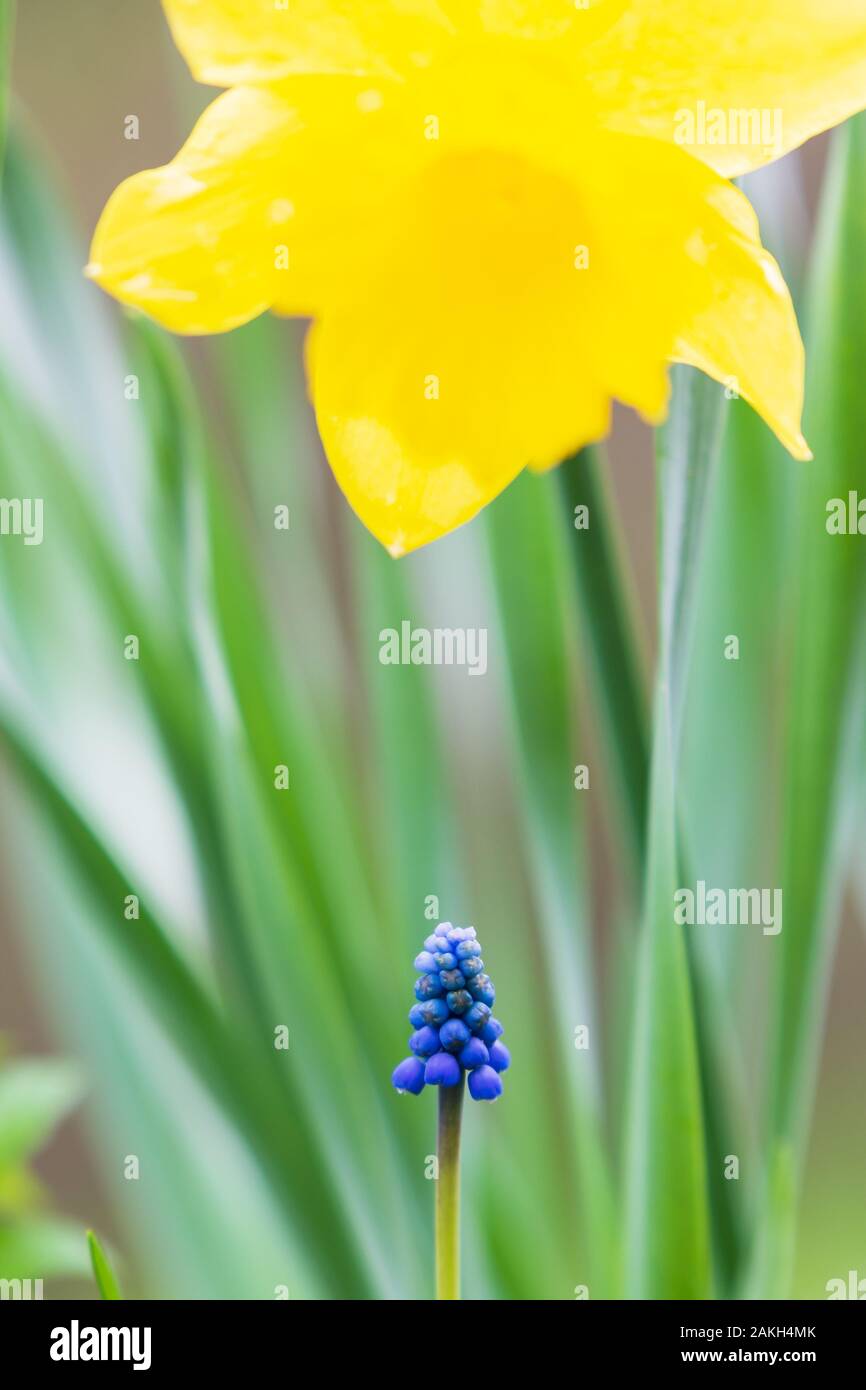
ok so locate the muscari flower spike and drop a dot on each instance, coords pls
(455, 1033)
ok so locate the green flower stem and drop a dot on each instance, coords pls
(448, 1193)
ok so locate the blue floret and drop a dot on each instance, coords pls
(484, 1083)
(454, 1035)
(474, 1054)
(443, 1070)
(409, 1076)
(425, 1042)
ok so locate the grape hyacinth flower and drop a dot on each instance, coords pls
(452, 1019)
(456, 1037)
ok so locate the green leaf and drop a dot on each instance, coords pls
(616, 661)
(416, 842)
(530, 569)
(828, 696)
(668, 1251)
(104, 1275)
(35, 1094)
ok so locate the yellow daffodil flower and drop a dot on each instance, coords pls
(500, 216)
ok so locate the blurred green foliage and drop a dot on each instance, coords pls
(35, 1244)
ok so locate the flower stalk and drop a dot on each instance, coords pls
(447, 1221)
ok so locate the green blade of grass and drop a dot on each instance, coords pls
(530, 573)
(106, 1279)
(828, 678)
(668, 1249)
(417, 850)
(616, 664)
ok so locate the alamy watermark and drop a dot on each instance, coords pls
(853, 1287)
(846, 516)
(729, 907)
(438, 646)
(77, 1343)
(22, 1290)
(754, 128)
(22, 516)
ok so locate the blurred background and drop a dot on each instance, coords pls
(258, 648)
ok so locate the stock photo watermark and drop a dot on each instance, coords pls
(77, 1343)
(846, 516)
(22, 1290)
(851, 1288)
(22, 517)
(755, 128)
(729, 907)
(438, 646)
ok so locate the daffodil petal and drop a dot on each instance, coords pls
(685, 257)
(745, 335)
(737, 84)
(228, 42)
(544, 20)
(251, 213)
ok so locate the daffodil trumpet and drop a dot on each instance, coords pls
(470, 200)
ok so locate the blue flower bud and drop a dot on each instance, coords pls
(427, 987)
(444, 1070)
(458, 1001)
(433, 1012)
(473, 965)
(481, 988)
(484, 1084)
(474, 1054)
(451, 979)
(500, 1057)
(453, 1035)
(476, 1018)
(426, 962)
(425, 1042)
(431, 943)
(467, 949)
(409, 1076)
(445, 961)
(492, 1030)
